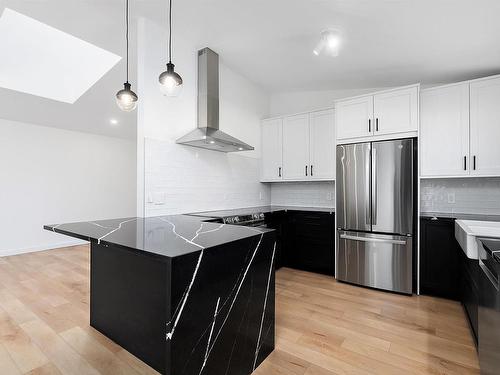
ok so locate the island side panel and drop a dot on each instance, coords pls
(223, 306)
(129, 294)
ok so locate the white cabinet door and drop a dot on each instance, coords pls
(271, 162)
(485, 127)
(396, 111)
(353, 118)
(444, 131)
(322, 145)
(296, 147)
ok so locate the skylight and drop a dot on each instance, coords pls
(40, 60)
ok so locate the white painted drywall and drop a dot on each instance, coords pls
(290, 102)
(49, 175)
(181, 178)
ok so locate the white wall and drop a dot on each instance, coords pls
(286, 103)
(49, 175)
(460, 195)
(305, 194)
(176, 177)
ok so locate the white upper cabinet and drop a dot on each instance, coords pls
(353, 117)
(322, 145)
(305, 141)
(272, 138)
(296, 147)
(485, 127)
(396, 111)
(383, 115)
(444, 131)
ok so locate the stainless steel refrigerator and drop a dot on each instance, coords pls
(375, 213)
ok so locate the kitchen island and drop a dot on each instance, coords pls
(184, 295)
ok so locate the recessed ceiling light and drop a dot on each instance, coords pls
(113, 121)
(212, 142)
(329, 43)
(40, 60)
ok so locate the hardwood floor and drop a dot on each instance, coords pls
(323, 327)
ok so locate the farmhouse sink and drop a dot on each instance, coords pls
(466, 232)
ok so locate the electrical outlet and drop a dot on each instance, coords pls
(451, 197)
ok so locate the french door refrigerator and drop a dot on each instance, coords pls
(375, 214)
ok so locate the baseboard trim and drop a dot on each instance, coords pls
(56, 245)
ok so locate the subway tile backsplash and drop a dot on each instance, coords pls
(461, 195)
(180, 179)
(309, 194)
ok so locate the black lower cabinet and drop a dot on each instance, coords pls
(310, 244)
(445, 271)
(439, 258)
(470, 274)
(278, 221)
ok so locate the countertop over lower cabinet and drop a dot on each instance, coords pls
(258, 209)
(460, 216)
(163, 287)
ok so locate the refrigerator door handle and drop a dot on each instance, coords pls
(368, 239)
(374, 187)
(367, 186)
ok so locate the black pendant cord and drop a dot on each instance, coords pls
(170, 32)
(126, 20)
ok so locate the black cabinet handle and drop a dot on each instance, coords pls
(369, 125)
(376, 124)
(279, 171)
(474, 162)
(311, 170)
(306, 170)
(465, 163)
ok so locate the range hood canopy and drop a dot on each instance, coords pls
(207, 135)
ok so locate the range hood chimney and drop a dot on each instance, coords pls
(207, 134)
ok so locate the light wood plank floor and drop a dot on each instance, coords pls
(323, 327)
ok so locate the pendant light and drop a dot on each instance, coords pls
(126, 98)
(170, 81)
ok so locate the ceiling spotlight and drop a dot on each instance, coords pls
(329, 43)
(113, 121)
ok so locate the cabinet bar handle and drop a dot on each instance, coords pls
(369, 125)
(465, 163)
(306, 170)
(474, 162)
(279, 171)
(376, 124)
(311, 170)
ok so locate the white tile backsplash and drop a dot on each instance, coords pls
(461, 195)
(309, 194)
(182, 179)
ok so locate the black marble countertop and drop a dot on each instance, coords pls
(167, 236)
(264, 209)
(492, 246)
(460, 216)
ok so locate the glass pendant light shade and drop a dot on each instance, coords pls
(170, 81)
(126, 99)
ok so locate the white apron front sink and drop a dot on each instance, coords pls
(466, 232)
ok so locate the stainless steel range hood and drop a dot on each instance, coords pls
(208, 135)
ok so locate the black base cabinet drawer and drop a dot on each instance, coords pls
(310, 242)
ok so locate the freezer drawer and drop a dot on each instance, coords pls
(375, 260)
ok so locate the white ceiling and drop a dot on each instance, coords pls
(386, 43)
